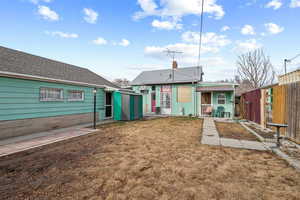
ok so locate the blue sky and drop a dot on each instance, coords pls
(121, 38)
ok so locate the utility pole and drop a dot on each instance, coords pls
(289, 61)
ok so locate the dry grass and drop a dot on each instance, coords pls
(234, 131)
(155, 159)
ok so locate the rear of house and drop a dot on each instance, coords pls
(39, 94)
(180, 91)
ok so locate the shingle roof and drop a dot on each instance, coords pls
(23, 63)
(181, 75)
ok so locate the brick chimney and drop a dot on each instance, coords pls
(174, 65)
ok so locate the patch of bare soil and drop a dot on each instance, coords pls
(234, 131)
(153, 159)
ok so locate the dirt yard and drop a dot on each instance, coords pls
(154, 159)
(234, 131)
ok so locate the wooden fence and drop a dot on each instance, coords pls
(279, 108)
(278, 104)
(293, 110)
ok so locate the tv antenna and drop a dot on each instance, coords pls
(172, 54)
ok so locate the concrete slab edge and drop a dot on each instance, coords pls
(51, 142)
(253, 132)
(294, 163)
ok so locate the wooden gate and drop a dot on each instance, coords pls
(279, 106)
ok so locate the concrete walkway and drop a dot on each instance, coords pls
(22, 143)
(211, 136)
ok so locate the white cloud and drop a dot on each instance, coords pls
(273, 28)
(124, 43)
(91, 16)
(166, 25)
(178, 8)
(248, 45)
(47, 13)
(275, 4)
(210, 39)
(225, 28)
(62, 34)
(248, 30)
(295, 4)
(189, 47)
(100, 41)
(37, 1)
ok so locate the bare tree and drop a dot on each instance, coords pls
(256, 69)
(122, 82)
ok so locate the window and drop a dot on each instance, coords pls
(184, 94)
(51, 94)
(153, 88)
(221, 98)
(75, 95)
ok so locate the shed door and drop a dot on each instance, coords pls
(125, 107)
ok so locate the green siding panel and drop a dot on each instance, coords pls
(229, 102)
(19, 99)
(117, 98)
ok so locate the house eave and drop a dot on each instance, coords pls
(168, 83)
(40, 78)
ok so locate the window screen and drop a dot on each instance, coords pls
(221, 99)
(75, 95)
(184, 94)
(51, 94)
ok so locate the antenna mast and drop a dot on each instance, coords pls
(172, 54)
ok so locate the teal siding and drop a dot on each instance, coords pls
(229, 101)
(192, 107)
(19, 99)
(117, 98)
(183, 108)
(189, 108)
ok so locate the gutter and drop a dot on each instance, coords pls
(41, 78)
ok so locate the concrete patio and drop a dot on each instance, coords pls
(22, 143)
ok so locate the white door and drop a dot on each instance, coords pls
(166, 99)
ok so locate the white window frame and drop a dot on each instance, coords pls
(221, 98)
(82, 97)
(52, 99)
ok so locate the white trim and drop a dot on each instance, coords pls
(31, 77)
(61, 90)
(75, 100)
(221, 99)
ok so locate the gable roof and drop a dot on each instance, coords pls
(18, 62)
(181, 75)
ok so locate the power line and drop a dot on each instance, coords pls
(201, 31)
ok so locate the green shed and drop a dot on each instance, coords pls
(127, 106)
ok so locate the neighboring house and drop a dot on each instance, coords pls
(291, 77)
(39, 94)
(180, 91)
